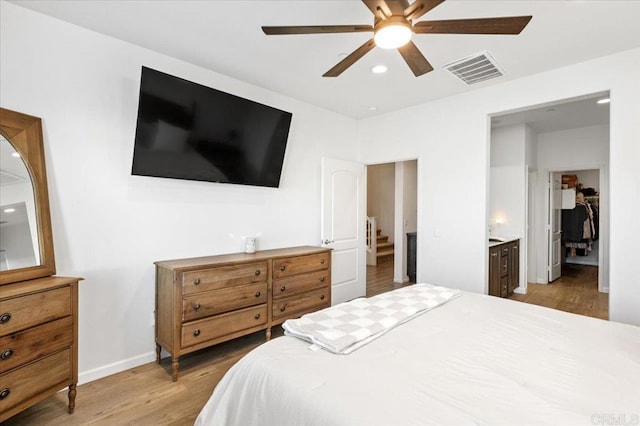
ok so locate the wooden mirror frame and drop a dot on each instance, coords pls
(24, 132)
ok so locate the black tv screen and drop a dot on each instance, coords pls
(189, 131)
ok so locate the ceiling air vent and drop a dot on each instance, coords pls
(8, 178)
(475, 68)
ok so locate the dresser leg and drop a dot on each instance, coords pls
(158, 351)
(268, 333)
(72, 398)
(174, 367)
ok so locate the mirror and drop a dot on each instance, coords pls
(18, 225)
(25, 224)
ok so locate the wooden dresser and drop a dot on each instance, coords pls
(38, 342)
(204, 301)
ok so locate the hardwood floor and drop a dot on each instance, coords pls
(380, 278)
(576, 291)
(146, 395)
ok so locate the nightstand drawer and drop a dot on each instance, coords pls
(285, 287)
(223, 276)
(23, 383)
(23, 347)
(200, 331)
(209, 303)
(33, 309)
(299, 305)
(300, 264)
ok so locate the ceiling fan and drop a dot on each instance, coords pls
(393, 26)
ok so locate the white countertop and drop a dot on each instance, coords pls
(503, 240)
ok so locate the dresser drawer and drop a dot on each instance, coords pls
(200, 331)
(32, 379)
(223, 276)
(34, 309)
(289, 286)
(300, 264)
(28, 345)
(208, 303)
(305, 303)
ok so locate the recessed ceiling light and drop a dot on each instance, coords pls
(373, 108)
(604, 101)
(379, 69)
(551, 109)
(15, 154)
(9, 210)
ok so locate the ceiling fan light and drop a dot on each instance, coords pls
(393, 35)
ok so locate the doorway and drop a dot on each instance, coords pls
(564, 138)
(391, 225)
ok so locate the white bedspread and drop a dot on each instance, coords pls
(474, 360)
(345, 327)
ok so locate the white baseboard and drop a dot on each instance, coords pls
(116, 367)
(520, 290)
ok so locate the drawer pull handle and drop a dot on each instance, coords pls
(258, 294)
(257, 316)
(283, 288)
(322, 261)
(196, 332)
(322, 297)
(196, 281)
(283, 267)
(321, 279)
(257, 272)
(6, 354)
(196, 306)
(4, 318)
(282, 308)
(4, 393)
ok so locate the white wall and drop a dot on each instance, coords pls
(582, 148)
(450, 139)
(405, 214)
(380, 196)
(508, 188)
(108, 226)
(410, 190)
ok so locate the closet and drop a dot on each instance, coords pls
(580, 219)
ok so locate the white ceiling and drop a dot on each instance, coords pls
(558, 116)
(225, 36)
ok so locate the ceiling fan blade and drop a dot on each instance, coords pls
(317, 29)
(420, 7)
(416, 60)
(350, 60)
(387, 7)
(506, 25)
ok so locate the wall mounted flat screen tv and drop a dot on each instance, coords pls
(189, 131)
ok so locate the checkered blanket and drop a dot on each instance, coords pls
(343, 328)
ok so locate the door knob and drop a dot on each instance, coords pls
(325, 241)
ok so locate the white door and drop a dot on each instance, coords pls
(343, 226)
(555, 226)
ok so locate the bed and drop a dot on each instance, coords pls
(473, 360)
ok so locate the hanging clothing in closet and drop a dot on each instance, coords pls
(578, 228)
